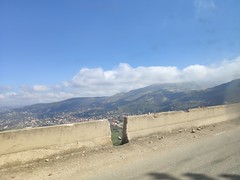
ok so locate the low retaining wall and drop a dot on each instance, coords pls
(52, 139)
(144, 125)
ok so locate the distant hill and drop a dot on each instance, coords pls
(155, 98)
(152, 98)
(159, 98)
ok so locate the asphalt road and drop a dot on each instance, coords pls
(214, 157)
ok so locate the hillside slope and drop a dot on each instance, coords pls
(155, 98)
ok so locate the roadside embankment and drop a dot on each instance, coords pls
(145, 125)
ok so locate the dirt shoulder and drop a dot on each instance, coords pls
(96, 161)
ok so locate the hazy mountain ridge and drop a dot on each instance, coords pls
(155, 98)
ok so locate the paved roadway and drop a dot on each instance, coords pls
(215, 157)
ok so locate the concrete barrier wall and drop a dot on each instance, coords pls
(144, 125)
(85, 134)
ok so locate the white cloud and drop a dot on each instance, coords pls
(100, 82)
(10, 94)
(204, 9)
(124, 78)
(5, 88)
(125, 74)
(204, 4)
(40, 88)
(2, 96)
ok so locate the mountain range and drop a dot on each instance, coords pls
(154, 98)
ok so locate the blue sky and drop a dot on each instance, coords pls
(59, 49)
